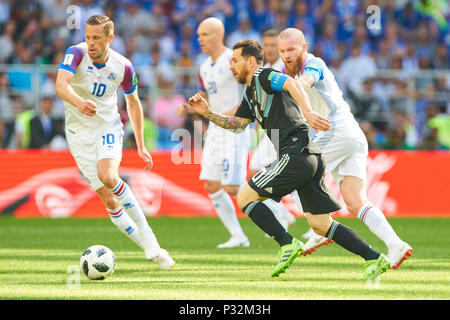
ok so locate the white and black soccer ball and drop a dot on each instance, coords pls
(97, 262)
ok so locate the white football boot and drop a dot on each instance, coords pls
(235, 241)
(308, 234)
(164, 260)
(314, 242)
(398, 254)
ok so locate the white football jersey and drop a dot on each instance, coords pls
(98, 83)
(278, 65)
(217, 80)
(327, 100)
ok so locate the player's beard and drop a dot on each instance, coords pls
(242, 76)
(295, 69)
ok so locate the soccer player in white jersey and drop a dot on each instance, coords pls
(87, 81)
(265, 154)
(224, 158)
(344, 146)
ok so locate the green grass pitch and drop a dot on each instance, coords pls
(39, 259)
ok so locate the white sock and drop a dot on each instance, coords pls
(226, 212)
(377, 223)
(278, 210)
(128, 201)
(125, 224)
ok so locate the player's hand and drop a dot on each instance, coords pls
(317, 122)
(145, 155)
(198, 104)
(88, 108)
(182, 110)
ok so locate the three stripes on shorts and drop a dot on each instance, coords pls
(262, 178)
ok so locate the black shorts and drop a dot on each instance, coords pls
(302, 171)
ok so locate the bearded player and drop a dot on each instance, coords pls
(87, 81)
(344, 146)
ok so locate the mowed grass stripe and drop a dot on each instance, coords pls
(35, 255)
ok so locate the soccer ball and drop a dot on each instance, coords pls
(97, 262)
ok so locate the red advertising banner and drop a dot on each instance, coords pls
(35, 183)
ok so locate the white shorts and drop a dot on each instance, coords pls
(88, 147)
(264, 154)
(224, 156)
(344, 157)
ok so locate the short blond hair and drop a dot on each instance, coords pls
(101, 19)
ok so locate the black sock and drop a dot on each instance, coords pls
(264, 218)
(349, 240)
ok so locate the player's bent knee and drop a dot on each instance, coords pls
(212, 186)
(109, 180)
(245, 196)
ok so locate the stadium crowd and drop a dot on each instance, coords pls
(395, 73)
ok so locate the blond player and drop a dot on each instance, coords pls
(344, 146)
(224, 159)
(87, 81)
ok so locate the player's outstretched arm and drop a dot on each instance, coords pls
(306, 80)
(66, 92)
(296, 90)
(136, 115)
(185, 108)
(232, 123)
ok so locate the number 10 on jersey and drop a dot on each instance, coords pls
(99, 89)
(108, 139)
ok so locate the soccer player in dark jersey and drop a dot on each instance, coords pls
(282, 108)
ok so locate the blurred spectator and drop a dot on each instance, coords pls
(403, 135)
(410, 62)
(408, 19)
(6, 111)
(356, 68)
(245, 31)
(328, 42)
(370, 133)
(186, 86)
(424, 46)
(442, 93)
(7, 42)
(346, 11)
(258, 15)
(220, 9)
(149, 128)
(360, 36)
(441, 59)
(87, 8)
(392, 39)
(140, 24)
(42, 127)
(272, 57)
(54, 17)
(185, 12)
(165, 109)
(187, 41)
(439, 126)
(22, 136)
(5, 9)
(366, 106)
